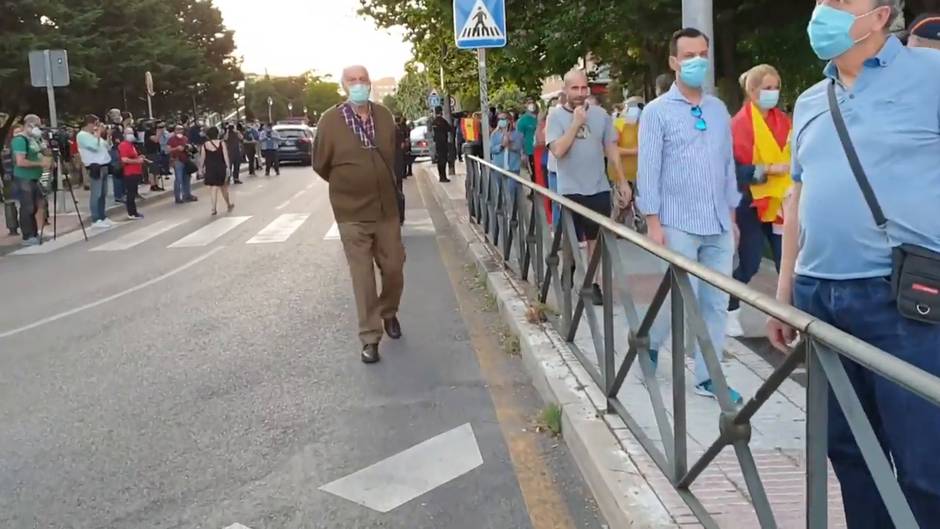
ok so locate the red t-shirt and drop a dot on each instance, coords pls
(126, 149)
(177, 141)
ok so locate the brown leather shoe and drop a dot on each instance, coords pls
(370, 354)
(393, 328)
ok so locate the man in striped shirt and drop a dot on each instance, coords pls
(687, 185)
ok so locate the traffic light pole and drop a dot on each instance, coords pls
(484, 103)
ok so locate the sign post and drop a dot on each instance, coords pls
(148, 80)
(481, 24)
(270, 104)
(49, 69)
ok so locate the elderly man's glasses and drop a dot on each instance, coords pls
(700, 123)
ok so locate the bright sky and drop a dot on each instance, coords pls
(289, 37)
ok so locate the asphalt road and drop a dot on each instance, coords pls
(168, 375)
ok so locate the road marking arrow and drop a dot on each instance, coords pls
(407, 475)
(237, 526)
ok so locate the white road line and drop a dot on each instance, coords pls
(209, 233)
(407, 475)
(112, 297)
(64, 240)
(288, 201)
(139, 236)
(280, 230)
(332, 234)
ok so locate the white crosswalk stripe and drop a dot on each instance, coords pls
(64, 240)
(417, 223)
(139, 236)
(280, 229)
(209, 233)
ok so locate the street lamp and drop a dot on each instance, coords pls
(270, 104)
(290, 109)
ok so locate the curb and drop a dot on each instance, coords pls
(596, 441)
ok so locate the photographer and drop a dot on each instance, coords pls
(28, 165)
(95, 151)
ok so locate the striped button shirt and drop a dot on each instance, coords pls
(685, 175)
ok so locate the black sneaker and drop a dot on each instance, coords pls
(597, 296)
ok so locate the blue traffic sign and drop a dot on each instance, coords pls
(480, 23)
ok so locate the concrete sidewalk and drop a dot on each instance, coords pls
(778, 429)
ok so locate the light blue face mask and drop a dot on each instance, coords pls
(693, 71)
(830, 30)
(359, 93)
(503, 123)
(768, 99)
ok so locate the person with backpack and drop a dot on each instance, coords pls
(29, 162)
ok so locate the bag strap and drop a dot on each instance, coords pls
(854, 162)
(360, 129)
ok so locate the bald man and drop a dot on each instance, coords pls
(354, 152)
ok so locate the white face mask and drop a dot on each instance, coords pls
(632, 115)
(35, 132)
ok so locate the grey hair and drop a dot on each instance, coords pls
(347, 70)
(897, 7)
(31, 118)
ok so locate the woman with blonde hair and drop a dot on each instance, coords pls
(761, 134)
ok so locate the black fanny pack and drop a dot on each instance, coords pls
(915, 272)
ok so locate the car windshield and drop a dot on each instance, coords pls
(291, 133)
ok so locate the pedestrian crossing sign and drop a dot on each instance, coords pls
(480, 23)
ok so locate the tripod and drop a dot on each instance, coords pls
(55, 196)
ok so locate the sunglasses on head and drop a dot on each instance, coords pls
(700, 124)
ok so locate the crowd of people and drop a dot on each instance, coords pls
(117, 154)
(710, 185)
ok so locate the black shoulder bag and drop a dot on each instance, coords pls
(915, 273)
(396, 183)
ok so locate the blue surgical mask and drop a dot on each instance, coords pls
(768, 99)
(830, 29)
(693, 71)
(502, 123)
(359, 93)
(632, 116)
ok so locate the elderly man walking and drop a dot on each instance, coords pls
(354, 152)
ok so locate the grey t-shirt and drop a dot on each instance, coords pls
(581, 171)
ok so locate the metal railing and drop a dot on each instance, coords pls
(509, 211)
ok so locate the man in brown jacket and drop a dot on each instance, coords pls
(355, 153)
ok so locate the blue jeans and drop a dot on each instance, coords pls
(907, 427)
(117, 183)
(181, 181)
(98, 174)
(751, 247)
(715, 252)
(553, 185)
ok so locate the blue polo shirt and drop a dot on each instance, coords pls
(893, 116)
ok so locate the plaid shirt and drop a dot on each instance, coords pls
(365, 130)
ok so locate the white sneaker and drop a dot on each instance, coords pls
(733, 327)
(106, 223)
(98, 224)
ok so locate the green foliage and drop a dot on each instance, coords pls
(412, 94)
(550, 419)
(313, 91)
(111, 44)
(508, 97)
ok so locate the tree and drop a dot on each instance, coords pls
(412, 93)
(391, 103)
(111, 44)
(308, 89)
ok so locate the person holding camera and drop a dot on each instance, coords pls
(29, 162)
(178, 147)
(133, 164)
(94, 147)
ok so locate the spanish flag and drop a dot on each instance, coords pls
(760, 141)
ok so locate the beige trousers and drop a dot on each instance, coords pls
(368, 244)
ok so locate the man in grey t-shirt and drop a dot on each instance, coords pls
(580, 136)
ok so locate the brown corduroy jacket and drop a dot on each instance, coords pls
(362, 184)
